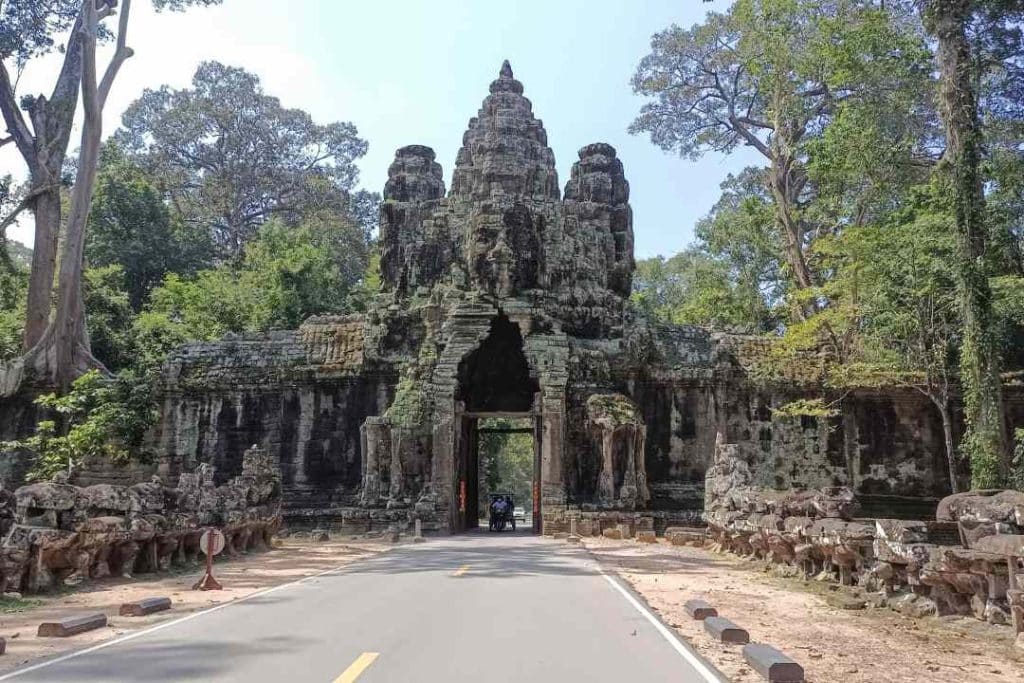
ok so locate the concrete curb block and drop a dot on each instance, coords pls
(724, 631)
(773, 665)
(141, 608)
(699, 609)
(72, 626)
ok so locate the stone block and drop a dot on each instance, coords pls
(699, 609)
(724, 631)
(72, 626)
(646, 536)
(614, 534)
(625, 530)
(772, 664)
(141, 608)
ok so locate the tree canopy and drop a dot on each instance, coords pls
(229, 156)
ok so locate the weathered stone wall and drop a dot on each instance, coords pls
(302, 396)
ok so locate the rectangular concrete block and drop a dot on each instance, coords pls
(614, 534)
(772, 664)
(141, 608)
(724, 631)
(646, 536)
(699, 609)
(625, 530)
(72, 626)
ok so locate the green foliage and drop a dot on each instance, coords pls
(96, 418)
(508, 458)
(28, 27)
(1017, 465)
(612, 410)
(230, 157)
(110, 316)
(13, 292)
(693, 287)
(131, 226)
(286, 275)
(368, 285)
(805, 407)
(409, 407)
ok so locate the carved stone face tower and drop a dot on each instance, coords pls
(497, 280)
(503, 230)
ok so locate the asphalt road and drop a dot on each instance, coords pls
(479, 607)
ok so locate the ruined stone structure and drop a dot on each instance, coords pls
(966, 561)
(56, 533)
(507, 295)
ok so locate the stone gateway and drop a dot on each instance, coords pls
(506, 296)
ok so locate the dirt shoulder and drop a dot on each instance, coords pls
(832, 644)
(294, 560)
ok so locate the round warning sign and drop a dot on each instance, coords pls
(212, 542)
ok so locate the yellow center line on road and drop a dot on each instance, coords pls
(461, 570)
(357, 667)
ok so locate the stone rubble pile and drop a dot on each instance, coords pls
(56, 533)
(965, 562)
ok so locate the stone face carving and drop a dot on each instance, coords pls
(65, 534)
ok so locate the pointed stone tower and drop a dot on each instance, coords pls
(504, 192)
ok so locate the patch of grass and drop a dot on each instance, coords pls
(12, 605)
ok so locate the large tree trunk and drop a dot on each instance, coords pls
(785, 191)
(63, 353)
(985, 440)
(47, 215)
(44, 148)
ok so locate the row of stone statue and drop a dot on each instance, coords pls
(56, 533)
(967, 561)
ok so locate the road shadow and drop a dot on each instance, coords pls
(502, 556)
(163, 660)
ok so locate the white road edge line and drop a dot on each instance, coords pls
(166, 624)
(691, 659)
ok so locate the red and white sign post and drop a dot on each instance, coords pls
(211, 543)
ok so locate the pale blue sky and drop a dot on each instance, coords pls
(415, 72)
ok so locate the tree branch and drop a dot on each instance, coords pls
(24, 204)
(749, 137)
(16, 124)
(121, 54)
(90, 96)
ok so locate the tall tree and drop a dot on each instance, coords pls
(40, 127)
(950, 22)
(62, 352)
(130, 225)
(773, 75)
(230, 156)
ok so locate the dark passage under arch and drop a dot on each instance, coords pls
(496, 378)
(494, 381)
